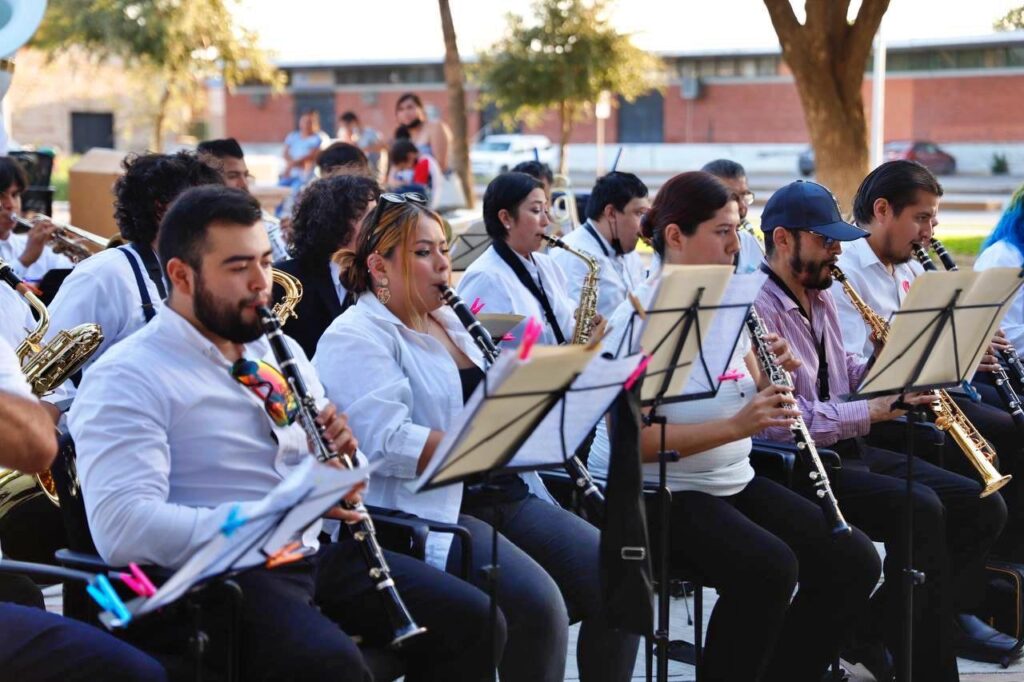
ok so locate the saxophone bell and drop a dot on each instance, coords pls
(586, 311)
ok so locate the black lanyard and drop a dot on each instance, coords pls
(597, 238)
(824, 394)
(626, 279)
(512, 260)
(153, 269)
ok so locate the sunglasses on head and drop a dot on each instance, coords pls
(267, 382)
(386, 201)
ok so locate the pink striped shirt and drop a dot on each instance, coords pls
(835, 419)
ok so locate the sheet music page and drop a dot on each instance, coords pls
(995, 285)
(302, 497)
(589, 397)
(678, 289)
(518, 393)
(719, 342)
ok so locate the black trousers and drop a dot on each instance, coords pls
(754, 547)
(954, 528)
(299, 620)
(996, 424)
(36, 646)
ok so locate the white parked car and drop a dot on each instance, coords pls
(500, 153)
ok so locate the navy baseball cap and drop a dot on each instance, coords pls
(805, 205)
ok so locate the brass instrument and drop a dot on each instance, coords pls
(564, 211)
(45, 366)
(65, 237)
(285, 310)
(587, 309)
(948, 415)
(748, 227)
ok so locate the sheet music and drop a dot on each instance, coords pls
(308, 491)
(719, 342)
(517, 393)
(587, 400)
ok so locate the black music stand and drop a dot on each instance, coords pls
(678, 349)
(944, 314)
(507, 407)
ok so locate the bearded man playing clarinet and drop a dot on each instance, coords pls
(191, 417)
(954, 527)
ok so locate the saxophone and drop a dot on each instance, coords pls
(948, 415)
(45, 367)
(587, 309)
(285, 308)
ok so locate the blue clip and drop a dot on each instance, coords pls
(971, 392)
(234, 521)
(104, 594)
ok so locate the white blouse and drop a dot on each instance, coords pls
(491, 280)
(1000, 255)
(721, 471)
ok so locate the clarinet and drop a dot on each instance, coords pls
(804, 443)
(593, 498)
(1002, 382)
(402, 624)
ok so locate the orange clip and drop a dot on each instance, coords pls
(285, 555)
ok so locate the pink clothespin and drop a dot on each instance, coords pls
(530, 336)
(509, 337)
(137, 581)
(476, 306)
(731, 375)
(641, 366)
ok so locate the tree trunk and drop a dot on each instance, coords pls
(453, 77)
(566, 113)
(828, 55)
(158, 121)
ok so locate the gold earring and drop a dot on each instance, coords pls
(383, 293)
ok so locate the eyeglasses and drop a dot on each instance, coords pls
(747, 198)
(828, 242)
(385, 201)
(267, 382)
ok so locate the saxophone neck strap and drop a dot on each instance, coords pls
(512, 260)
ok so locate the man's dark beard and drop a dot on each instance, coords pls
(895, 258)
(223, 319)
(811, 274)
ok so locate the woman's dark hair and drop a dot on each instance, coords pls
(184, 228)
(895, 181)
(615, 188)
(411, 97)
(507, 191)
(537, 169)
(326, 215)
(11, 173)
(148, 186)
(687, 200)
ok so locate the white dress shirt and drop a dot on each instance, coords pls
(168, 442)
(11, 378)
(751, 254)
(491, 280)
(396, 385)
(618, 274)
(12, 248)
(880, 289)
(16, 316)
(1003, 254)
(336, 279)
(102, 289)
(721, 471)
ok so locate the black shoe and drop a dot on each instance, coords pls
(873, 655)
(976, 640)
(837, 675)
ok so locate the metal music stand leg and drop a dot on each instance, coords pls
(911, 577)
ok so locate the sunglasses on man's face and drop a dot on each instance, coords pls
(267, 382)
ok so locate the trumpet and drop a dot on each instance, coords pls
(564, 211)
(948, 415)
(67, 237)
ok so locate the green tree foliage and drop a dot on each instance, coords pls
(561, 60)
(1011, 21)
(173, 46)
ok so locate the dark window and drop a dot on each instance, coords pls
(323, 102)
(90, 129)
(642, 120)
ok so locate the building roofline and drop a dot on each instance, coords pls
(1005, 38)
